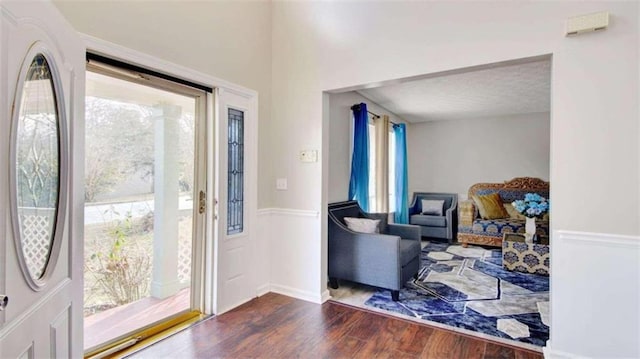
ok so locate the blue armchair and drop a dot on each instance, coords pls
(387, 259)
(444, 225)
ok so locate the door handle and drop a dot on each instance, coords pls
(202, 203)
(4, 300)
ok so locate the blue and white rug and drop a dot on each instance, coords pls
(468, 288)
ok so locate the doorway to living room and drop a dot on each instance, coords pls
(486, 125)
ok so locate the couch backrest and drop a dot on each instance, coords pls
(512, 190)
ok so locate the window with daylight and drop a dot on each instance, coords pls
(372, 166)
(235, 179)
(392, 171)
(374, 143)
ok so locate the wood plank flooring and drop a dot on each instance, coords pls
(112, 323)
(276, 326)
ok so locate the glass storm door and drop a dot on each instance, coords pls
(143, 184)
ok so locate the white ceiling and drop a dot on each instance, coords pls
(498, 91)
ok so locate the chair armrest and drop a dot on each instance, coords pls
(406, 231)
(370, 247)
(414, 206)
(466, 213)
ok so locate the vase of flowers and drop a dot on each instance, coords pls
(532, 206)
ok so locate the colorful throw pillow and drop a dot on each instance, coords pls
(490, 206)
(432, 207)
(362, 225)
(513, 213)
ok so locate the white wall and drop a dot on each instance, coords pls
(340, 139)
(230, 40)
(450, 156)
(321, 46)
(293, 51)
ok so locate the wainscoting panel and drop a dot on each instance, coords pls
(294, 253)
(595, 291)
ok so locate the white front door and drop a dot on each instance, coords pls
(41, 182)
(236, 176)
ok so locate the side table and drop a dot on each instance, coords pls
(519, 256)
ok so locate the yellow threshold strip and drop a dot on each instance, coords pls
(145, 337)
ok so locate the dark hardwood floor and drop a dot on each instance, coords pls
(276, 326)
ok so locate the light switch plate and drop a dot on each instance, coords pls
(281, 184)
(309, 156)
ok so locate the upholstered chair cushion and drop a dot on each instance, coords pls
(432, 221)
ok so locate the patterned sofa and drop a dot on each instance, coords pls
(473, 229)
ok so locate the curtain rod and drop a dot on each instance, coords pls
(357, 106)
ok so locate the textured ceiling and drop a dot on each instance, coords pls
(497, 91)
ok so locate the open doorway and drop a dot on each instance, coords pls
(143, 227)
(480, 126)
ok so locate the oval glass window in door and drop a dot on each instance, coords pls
(37, 168)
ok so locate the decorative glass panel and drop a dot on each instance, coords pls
(235, 188)
(37, 164)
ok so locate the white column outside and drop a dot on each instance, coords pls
(164, 281)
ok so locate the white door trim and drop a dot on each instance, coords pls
(119, 52)
(124, 54)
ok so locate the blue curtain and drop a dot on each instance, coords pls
(402, 183)
(359, 182)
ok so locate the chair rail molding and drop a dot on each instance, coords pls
(288, 212)
(599, 238)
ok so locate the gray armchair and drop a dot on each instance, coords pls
(444, 226)
(387, 259)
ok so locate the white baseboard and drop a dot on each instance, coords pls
(262, 290)
(325, 296)
(299, 294)
(550, 353)
(294, 293)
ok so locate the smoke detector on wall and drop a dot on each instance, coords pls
(587, 23)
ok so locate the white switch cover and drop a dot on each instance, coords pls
(281, 184)
(309, 156)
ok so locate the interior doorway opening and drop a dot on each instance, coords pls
(456, 147)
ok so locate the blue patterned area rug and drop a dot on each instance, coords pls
(468, 288)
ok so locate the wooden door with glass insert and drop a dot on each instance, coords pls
(42, 74)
